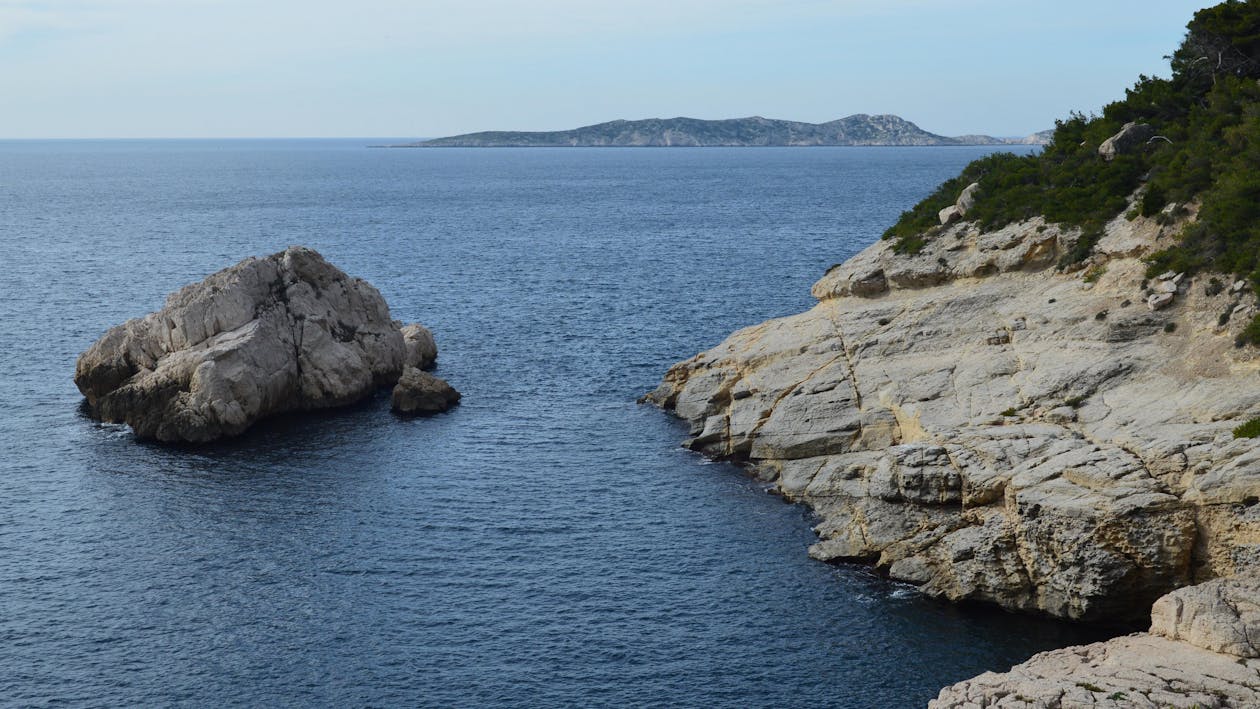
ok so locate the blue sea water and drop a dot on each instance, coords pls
(547, 543)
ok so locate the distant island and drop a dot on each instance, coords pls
(860, 129)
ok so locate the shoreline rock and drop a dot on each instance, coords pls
(970, 421)
(287, 332)
(1199, 652)
(419, 393)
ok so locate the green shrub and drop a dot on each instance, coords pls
(1250, 334)
(1251, 429)
(1223, 320)
(1089, 687)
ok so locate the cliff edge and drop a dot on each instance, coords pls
(979, 424)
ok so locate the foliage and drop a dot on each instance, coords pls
(1250, 334)
(1207, 123)
(1251, 429)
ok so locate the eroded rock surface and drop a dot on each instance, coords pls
(1199, 653)
(979, 424)
(282, 333)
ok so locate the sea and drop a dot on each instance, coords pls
(546, 544)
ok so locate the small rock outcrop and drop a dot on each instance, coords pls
(958, 210)
(288, 332)
(1201, 652)
(421, 393)
(1127, 140)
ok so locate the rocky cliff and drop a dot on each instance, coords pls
(977, 423)
(288, 332)
(859, 129)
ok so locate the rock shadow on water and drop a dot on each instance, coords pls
(281, 444)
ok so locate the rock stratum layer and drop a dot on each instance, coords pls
(980, 425)
(289, 332)
(1202, 651)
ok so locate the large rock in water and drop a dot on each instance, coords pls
(287, 332)
(989, 429)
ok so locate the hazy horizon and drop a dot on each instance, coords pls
(390, 68)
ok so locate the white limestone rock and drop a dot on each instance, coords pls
(1078, 467)
(1130, 137)
(1201, 652)
(1159, 301)
(1222, 615)
(286, 332)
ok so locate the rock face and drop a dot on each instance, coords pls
(1128, 139)
(976, 423)
(283, 333)
(1199, 653)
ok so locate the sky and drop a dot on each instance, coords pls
(427, 68)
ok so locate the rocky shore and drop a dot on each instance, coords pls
(1203, 650)
(975, 422)
(288, 332)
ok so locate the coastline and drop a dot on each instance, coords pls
(973, 422)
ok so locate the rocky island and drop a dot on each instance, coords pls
(756, 131)
(1039, 391)
(288, 332)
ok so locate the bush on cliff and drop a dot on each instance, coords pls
(1206, 120)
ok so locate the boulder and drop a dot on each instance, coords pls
(1159, 301)
(967, 199)
(288, 332)
(956, 211)
(1127, 140)
(1222, 615)
(421, 393)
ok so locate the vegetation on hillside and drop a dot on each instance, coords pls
(1206, 120)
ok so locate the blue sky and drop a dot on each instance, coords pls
(252, 68)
